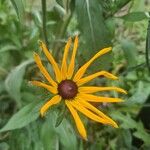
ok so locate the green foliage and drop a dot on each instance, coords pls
(14, 80)
(22, 118)
(135, 16)
(65, 133)
(60, 116)
(130, 52)
(4, 146)
(19, 7)
(88, 16)
(129, 123)
(98, 26)
(94, 38)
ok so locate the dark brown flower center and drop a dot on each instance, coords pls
(67, 89)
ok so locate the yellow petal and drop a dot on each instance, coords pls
(55, 100)
(82, 70)
(43, 70)
(95, 110)
(93, 98)
(87, 113)
(93, 89)
(72, 61)
(90, 77)
(48, 87)
(77, 120)
(64, 62)
(51, 60)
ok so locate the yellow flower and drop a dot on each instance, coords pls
(69, 87)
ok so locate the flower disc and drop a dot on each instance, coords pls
(67, 89)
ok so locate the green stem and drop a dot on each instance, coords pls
(148, 47)
(44, 21)
(60, 34)
(63, 27)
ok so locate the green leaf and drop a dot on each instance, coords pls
(124, 139)
(110, 24)
(2, 87)
(23, 117)
(129, 123)
(48, 135)
(135, 16)
(6, 48)
(4, 146)
(141, 93)
(14, 80)
(65, 133)
(93, 31)
(130, 52)
(60, 116)
(141, 133)
(60, 10)
(19, 7)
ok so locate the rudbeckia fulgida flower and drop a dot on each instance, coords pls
(69, 86)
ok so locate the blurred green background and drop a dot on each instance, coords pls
(99, 23)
